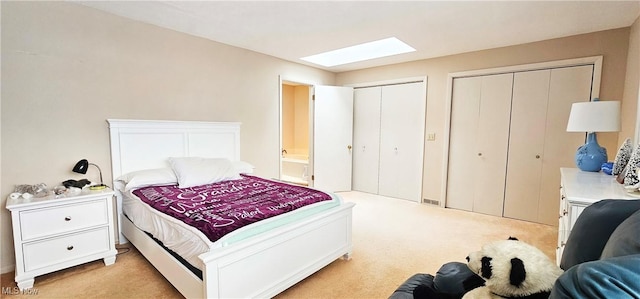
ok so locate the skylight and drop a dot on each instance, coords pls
(371, 50)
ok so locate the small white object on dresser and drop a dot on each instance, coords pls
(578, 190)
(56, 232)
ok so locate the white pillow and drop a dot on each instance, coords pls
(242, 167)
(148, 177)
(196, 171)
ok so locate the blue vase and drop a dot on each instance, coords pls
(590, 156)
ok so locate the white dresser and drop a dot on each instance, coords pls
(53, 233)
(578, 190)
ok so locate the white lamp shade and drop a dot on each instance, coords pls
(600, 116)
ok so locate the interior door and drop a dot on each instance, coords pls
(526, 144)
(366, 139)
(333, 135)
(465, 105)
(492, 143)
(566, 86)
(480, 112)
(402, 120)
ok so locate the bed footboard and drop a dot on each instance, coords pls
(259, 267)
(271, 263)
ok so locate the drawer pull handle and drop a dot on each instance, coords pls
(68, 218)
(70, 247)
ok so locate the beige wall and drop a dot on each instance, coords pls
(631, 94)
(301, 123)
(611, 44)
(67, 68)
(288, 116)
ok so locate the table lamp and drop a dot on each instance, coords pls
(82, 166)
(592, 117)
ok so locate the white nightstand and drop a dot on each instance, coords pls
(578, 190)
(53, 233)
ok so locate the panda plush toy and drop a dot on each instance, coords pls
(512, 269)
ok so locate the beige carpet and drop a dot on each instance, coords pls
(393, 239)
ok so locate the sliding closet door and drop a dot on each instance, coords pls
(366, 138)
(402, 121)
(478, 146)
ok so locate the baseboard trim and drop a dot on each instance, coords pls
(7, 269)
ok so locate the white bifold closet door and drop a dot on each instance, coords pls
(478, 143)
(389, 140)
(539, 144)
(366, 139)
(508, 141)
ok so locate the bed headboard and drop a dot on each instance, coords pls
(146, 144)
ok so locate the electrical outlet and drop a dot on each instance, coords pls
(431, 136)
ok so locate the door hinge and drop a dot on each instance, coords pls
(313, 177)
(313, 97)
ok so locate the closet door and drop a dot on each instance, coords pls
(366, 139)
(480, 116)
(465, 107)
(539, 143)
(526, 144)
(567, 86)
(402, 120)
(492, 143)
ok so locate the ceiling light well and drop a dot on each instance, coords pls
(371, 50)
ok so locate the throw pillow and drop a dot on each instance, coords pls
(631, 176)
(625, 240)
(622, 157)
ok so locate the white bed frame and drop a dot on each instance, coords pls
(259, 267)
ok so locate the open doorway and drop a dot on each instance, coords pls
(316, 126)
(295, 141)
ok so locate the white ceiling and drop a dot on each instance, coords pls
(293, 29)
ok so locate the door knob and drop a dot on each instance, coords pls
(349, 146)
(537, 156)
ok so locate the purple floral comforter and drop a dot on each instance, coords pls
(220, 208)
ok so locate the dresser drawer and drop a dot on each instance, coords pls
(49, 252)
(63, 218)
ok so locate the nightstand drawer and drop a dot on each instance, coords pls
(63, 218)
(40, 254)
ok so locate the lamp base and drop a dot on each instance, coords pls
(98, 187)
(591, 155)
